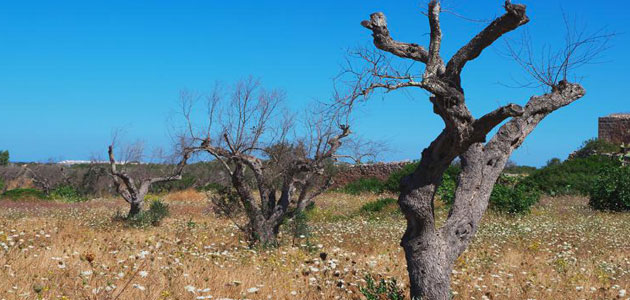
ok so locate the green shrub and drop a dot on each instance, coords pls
(299, 226)
(571, 177)
(186, 182)
(157, 211)
(211, 187)
(385, 289)
(611, 190)
(66, 193)
(4, 158)
(446, 190)
(24, 193)
(362, 185)
(512, 197)
(515, 169)
(553, 162)
(596, 146)
(392, 183)
(378, 205)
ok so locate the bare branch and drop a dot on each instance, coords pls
(486, 123)
(435, 65)
(513, 18)
(383, 41)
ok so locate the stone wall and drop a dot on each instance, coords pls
(615, 128)
(350, 173)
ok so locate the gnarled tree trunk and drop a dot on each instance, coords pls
(430, 251)
(134, 194)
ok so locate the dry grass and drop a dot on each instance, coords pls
(562, 250)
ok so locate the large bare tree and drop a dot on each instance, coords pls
(273, 173)
(431, 251)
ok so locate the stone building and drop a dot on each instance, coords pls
(615, 128)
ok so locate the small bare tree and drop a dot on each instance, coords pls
(272, 174)
(431, 251)
(133, 190)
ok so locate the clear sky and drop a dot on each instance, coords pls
(71, 71)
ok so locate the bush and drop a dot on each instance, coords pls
(4, 158)
(514, 169)
(24, 194)
(299, 226)
(392, 183)
(378, 205)
(362, 185)
(211, 187)
(157, 211)
(553, 162)
(66, 193)
(596, 146)
(446, 190)
(186, 182)
(611, 190)
(510, 196)
(449, 179)
(385, 289)
(571, 177)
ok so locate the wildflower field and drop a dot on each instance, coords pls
(56, 250)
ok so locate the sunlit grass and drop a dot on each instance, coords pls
(52, 250)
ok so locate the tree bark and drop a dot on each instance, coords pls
(429, 270)
(265, 234)
(135, 208)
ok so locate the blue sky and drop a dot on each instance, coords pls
(71, 71)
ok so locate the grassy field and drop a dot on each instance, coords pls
(50, 250)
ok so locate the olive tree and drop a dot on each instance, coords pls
(276, 169)
(134, 188)
(431, 251)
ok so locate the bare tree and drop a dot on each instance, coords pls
(133, 190)
(272, 173)
(431, 251)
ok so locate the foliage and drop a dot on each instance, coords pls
(362, 185)
(611, 190)
(157, 211)
(378, 205)
(571, 177)
(299, 226)
(516, 169)
(392, 183)
(186, 182)
(446, 190)
(23, 194)
(212, 186)
(512, 197)
(66, 193)
(227, 202)
(4, 158)
(385, 289)
(1, 186)
(553, 162)
(596, 146)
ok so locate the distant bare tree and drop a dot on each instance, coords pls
(133, 190)
(48, 176)
(272, 173)
(431, 251)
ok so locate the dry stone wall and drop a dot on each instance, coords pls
(350, 173)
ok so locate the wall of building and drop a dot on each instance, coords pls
(615, 128)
